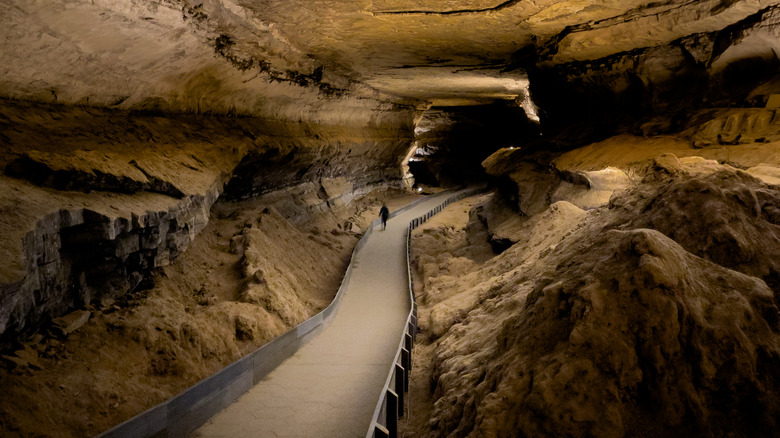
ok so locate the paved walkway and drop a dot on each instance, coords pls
(330, 387)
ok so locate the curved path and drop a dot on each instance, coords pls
(330, 387)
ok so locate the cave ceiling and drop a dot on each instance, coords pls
(450, 51)
(447, 52)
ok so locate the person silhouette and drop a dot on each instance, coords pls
(384, 213)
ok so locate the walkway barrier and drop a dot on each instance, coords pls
(390, 407)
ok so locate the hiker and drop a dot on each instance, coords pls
(384, 213)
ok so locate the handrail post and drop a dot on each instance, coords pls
(400, 383)
(381, 432)
(392, 414)
(406, 362)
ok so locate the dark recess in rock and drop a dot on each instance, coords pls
(247, 182)
(586, 101)
(423, 174)
(500, 244)
(461, 137)
(40, 174)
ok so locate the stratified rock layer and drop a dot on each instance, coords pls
(97, 199)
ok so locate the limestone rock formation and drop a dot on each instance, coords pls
(598, 324)
(268, 268)
(145, 346)
(451, 142)
(526, 182)
(127, 127)
(270, 57)
(105, 197)
(740, 230)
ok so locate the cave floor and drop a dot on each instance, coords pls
(330, 387)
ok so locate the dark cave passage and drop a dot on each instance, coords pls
(452, 142)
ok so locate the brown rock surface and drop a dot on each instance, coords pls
(126, 128)
(739, 231)
(266, 56)
(582, 329)
(93, 200)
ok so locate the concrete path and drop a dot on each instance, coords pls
(330, 387)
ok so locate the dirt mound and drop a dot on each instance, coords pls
(273, 265)
(647, 317)
(632, 327)
(455, 284)
(728, 217)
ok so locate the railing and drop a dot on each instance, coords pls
(390, 407)
(184, 413)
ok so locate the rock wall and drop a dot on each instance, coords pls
(529, 180)
(641, 317)
(95, 199)
(653, 90)
(168, 56)
(145, 114)
(75, 256)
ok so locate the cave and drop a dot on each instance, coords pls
(452, 142)
(186, 182)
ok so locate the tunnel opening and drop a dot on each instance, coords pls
(452, 142)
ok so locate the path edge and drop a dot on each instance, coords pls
(184, 413)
